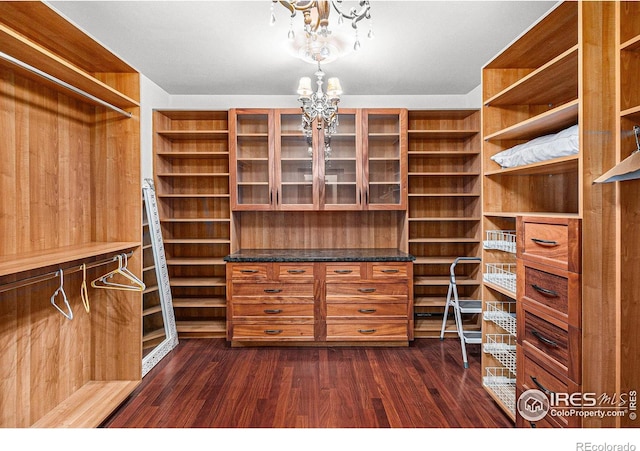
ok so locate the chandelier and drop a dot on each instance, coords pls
(321, 106)
(316, 21)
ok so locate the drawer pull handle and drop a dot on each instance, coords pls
(367, 331)
(366, 290)
(273, 331)
(343, 271)
(272, 290)
(540, 386)
(248, 271)
(541, 242)
(543, 339)
(545, 291)
(296, 271)
(273, 311)
(390, 271)
(367, 310)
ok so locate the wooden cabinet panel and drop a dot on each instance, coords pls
(272, 309)
(275, 166)
(353, 292)
(320, 302)
(273, 331)
(368, 309)
(343, 272)
(248, 272)
(295, 272)
(554, 242)
(291, 292)
(554, 291)
(366, 330)
(388, 271)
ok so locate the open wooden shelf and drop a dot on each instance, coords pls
(12, 264)
(555, 166)
(88, 406)
(551, 121)
(555, 80)
(29, 52)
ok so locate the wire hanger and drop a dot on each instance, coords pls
(107, 283)
(60, 291)
(84, 293)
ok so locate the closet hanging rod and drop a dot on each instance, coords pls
(41, 278)
(62, 83)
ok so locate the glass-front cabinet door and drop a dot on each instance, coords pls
(385, 132)
(295, 163)
(251, 153)
(342, 162)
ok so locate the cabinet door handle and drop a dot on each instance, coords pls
(367, 331)
(343, 271)
(543, 339)
(542, 242)
(540, 386)
(545, 291)
(248, 271)
(273, 311)
(296, 271)
(273, 331)
(272, 290)
(367, 310)
(366, 290)
(390, 271)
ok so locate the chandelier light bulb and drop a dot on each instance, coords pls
(333, 87)
(304, 87)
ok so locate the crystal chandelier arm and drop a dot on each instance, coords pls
(354, 15)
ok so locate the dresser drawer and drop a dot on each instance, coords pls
(292, 272)
(552, 342)
(533, 375)
(369, 310)
(272, 310)
(343, 272)
(361, 291)
(389, 271)
(551, 241)
(249, 272)
(289, 291)
(367, 330)
(273, 332)
(551, 289)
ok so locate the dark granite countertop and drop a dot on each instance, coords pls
(319, 255)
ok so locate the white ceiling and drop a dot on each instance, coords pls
(229, 48)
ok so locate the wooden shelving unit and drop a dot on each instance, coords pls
(71, 197)
(531, 90)
(192, 185)
(443, 210)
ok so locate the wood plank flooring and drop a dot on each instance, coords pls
(206, 384)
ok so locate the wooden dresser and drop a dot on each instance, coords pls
(341, 296)
(549, 303)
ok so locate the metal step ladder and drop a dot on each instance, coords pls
(461, 307)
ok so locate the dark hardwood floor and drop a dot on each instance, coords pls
(206, 384)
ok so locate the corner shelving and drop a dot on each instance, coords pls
(192, 186)
(529, 90)
(443, 210)
(70, 201)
